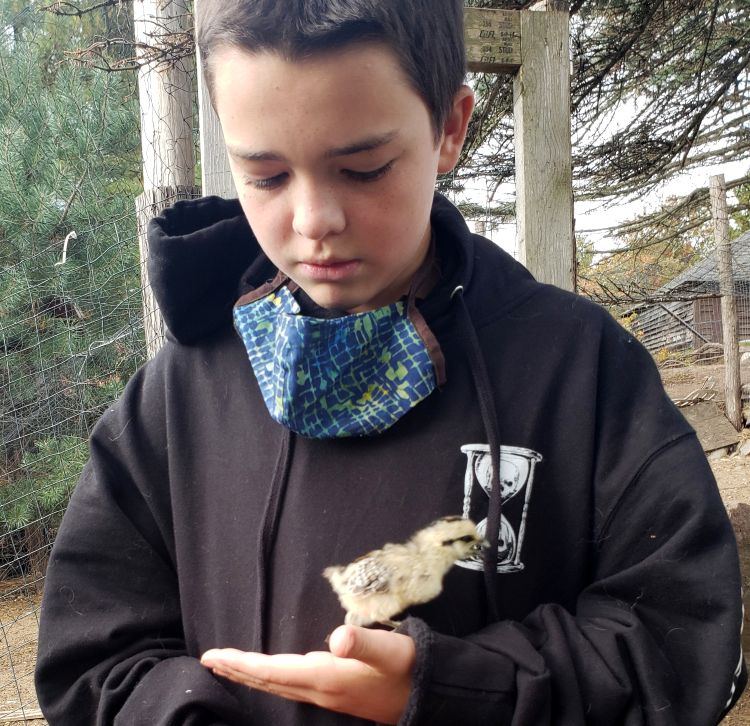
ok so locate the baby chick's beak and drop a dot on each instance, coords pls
(479, 546)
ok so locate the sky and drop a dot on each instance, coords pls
(592, 219)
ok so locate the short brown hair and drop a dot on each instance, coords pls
(425, 35)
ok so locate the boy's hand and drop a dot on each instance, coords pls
(367, 673)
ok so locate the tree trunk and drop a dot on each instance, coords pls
(544, 169)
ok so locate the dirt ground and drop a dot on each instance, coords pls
(19, 607)
(681, 380)
(733, 476)
(19, 623)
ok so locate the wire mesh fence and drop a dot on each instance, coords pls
(67, 346)
(70, 296)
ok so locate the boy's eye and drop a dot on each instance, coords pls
(270, 182)
(273, 182)
(369, 176)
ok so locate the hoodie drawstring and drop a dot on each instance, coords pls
(488, 412)
(267, 535)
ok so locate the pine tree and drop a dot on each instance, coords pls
(70, 333)
(741, 219)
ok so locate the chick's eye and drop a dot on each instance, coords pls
(368, 176)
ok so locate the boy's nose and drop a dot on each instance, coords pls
(317, 214)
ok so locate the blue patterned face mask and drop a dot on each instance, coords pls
(348, 376)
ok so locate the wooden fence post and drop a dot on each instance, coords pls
(216, 178)
(544, 173)
(166, 101)
(732, 383)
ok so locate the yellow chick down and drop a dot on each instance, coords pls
(382, 583)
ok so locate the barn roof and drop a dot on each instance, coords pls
(707, 270)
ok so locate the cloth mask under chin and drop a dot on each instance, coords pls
(346, 376)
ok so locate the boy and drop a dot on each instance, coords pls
(400, 370)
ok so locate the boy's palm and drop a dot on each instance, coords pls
(367, 673)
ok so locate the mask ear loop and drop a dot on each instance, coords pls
(420, 324)
(266, 289)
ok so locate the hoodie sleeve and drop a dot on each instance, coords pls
(655, 637)
(111, 647)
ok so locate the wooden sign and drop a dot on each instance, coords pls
(493, 40)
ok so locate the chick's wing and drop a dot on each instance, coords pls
(367, 575)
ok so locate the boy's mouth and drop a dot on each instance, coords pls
(330, 270)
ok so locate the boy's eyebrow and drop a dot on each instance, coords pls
(238, 153)
(367, 144)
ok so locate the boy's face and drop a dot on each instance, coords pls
(334, 159)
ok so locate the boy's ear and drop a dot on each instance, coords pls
(454, 131)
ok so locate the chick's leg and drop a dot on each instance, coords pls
(357, 619)
(393, 624)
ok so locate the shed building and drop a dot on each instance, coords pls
(690, 324)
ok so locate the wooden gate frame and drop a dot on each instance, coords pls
(532, 46)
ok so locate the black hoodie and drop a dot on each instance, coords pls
(199, 522)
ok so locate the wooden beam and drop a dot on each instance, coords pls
(216, 177)
(493, 40)
(544, 174)
(713, 429)
(21, 715)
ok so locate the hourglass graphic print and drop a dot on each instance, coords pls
(516, 477)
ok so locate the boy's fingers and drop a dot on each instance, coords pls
(380, 649)
(287, 669)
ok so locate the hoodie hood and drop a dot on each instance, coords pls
(203, 255)
(198, 249)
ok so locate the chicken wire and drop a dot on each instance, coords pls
(71, 334)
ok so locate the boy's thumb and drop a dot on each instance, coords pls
(380, 649)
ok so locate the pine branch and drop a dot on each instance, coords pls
(72, 196)
(68, 9)
(709, 36)
(621, 52)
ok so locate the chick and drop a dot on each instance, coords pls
(384, 582)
